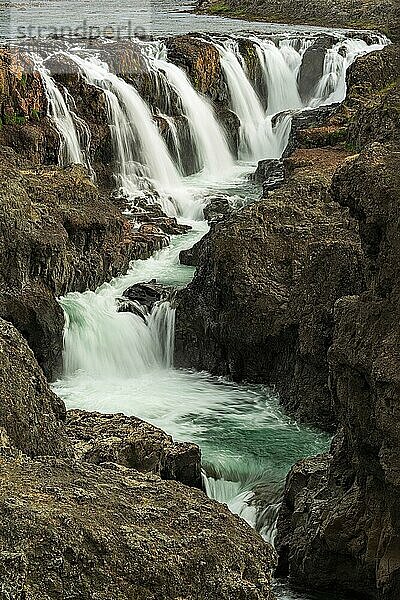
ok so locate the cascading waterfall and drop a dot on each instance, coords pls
(212, 148)
(255, 135)
(70, 149)
(117, 361)
(293, 51)
(332, 86)
(141, 152)
(259, 139)
(279, 80)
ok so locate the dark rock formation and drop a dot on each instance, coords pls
(275, 270)
(133, 443)
(31, 416)
(340, 520)
(147, 294)
(201, 62)
(74, 529)
(312, 67)
(66, 236)
(270, 173)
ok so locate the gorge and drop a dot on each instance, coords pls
(203, 207)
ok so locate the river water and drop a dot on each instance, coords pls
(114, 362)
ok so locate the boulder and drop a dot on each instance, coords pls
(31, 415)
(130, 442)
(147, 294)
(74, 529)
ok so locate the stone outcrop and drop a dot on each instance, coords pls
(75, 529)
(340, 522)
(31, 416)
(130, 442)
(264, 269)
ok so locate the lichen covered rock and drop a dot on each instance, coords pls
(79, 530)
(130, 442)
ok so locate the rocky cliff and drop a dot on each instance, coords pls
(87, 511)
(264, 269)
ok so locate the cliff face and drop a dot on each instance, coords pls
(340, 522)
(264, 269)
(31, 416)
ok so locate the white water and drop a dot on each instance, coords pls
(141, 153)
(117, 361)
(332, 86)
(213, 152)
(70, 149)
(279, 79)
(255, 131)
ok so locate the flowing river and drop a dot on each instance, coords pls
(116, 361)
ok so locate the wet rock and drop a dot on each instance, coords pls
(373, 98)
(77, 529)
(133, 443)
(264, 269)
(312, 67)
(147, 294)
(270, 173)
(217, 209)
(201, 62)
(31, 415)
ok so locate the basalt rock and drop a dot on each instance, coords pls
(260, 306)
(146, 294)
(201, 62)
(57, 233)
(340, 522)
(31, 415)
(75, 529)
(312, 67)
(270, 173)
(133, 443)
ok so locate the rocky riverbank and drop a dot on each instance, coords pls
(309, 278)
(88, 506)
(356, 14)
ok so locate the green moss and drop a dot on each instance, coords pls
(34, 115)
(14, 119)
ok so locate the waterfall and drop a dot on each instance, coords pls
(125, 344)
(279, 79)
(292, 50)
(332, 85)
(70, 150)
(255, 130)
(142, 155)
(213, 153)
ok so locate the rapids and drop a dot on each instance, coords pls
(116, 362)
